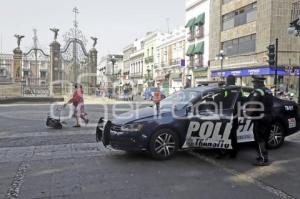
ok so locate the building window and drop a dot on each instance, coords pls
(240, 17)
(228, 21)
(2, 72)
(43, 74)
(191, 61)
(198, 60)
(25, 74)
(241, 45)
(200, 31)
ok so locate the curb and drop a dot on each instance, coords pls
(11, 100)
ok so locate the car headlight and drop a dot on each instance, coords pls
(132, 127)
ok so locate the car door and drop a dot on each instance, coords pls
(245, 128)
(211, 119)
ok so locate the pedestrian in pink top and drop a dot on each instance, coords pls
(78, 103)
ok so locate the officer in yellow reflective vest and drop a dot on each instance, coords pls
(259, 110)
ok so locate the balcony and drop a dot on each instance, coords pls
(191, 36)
(136, 75)
(198, 61)
(200, 32)
(148, 77)
(191, 62)
(176, 62)
(149, 60)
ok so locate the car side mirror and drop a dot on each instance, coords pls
(189, 109)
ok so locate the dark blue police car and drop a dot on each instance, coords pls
(177, 124)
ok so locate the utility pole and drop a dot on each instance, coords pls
(276, 65)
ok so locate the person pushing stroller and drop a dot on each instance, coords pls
(78, 103)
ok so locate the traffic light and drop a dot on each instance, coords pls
(271, 54)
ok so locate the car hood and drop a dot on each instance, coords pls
(139, 114)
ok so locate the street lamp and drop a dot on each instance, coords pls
(221, 56)
(148, 71)
(113, 61)
(294, 30)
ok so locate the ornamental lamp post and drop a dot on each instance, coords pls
(113, 61)
(148, 71)
(221, 56)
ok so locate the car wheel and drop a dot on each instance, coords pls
(164, 144)
(276, 137)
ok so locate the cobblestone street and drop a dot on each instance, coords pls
(37, 162)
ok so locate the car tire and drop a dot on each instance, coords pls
(164, 144)
(276, 136)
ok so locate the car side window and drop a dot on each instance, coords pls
(215, 102)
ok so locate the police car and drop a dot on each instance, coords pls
(188, 119)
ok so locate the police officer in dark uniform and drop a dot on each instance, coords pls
(261, 119)
(231, 81)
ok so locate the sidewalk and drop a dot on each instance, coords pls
(11, 100)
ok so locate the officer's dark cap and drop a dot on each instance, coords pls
(258, 78)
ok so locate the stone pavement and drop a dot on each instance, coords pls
(37, 163)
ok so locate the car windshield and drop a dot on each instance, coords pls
(179, 99)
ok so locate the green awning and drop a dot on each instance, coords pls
(190, 50)
(190, 23)
(199, 49)
(200, 20)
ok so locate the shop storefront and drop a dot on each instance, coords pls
(200, 75)
(175, 82)
(244, 75)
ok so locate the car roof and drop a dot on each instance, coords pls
(215, 88)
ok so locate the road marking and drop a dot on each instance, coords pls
(273, 190)
(14, 188)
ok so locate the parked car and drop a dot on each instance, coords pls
(177, 124)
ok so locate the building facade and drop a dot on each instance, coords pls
(170, 68)
(244, 29)
(36, 72)
(6, 64)
(137, 63)
(197, 41)
(33, 71)
(152, 40)
(109, 73)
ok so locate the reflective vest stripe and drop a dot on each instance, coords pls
(260, 91)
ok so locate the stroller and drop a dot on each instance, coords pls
(54, 122)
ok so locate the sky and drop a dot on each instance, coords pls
(116, 23)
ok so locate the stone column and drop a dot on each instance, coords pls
(92, 70)
(55, 70)
(17, 65)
